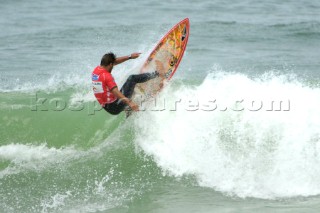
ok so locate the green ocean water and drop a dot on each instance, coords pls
(236, 130)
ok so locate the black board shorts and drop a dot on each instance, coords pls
(115, 107)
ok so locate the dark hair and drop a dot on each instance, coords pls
(108, 58)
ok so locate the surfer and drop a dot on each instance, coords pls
(106, 90)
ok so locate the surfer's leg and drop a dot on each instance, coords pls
(128, 87)
(144, 77)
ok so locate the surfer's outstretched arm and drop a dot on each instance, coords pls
(122, 59)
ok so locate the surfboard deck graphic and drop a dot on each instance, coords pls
(169, 52)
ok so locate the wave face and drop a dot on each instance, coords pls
(233, 134)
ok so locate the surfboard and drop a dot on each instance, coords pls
(169, 52)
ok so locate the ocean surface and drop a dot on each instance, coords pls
(238, 128)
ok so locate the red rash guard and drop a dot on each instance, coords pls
(103, 83)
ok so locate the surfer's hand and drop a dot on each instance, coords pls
(135, 55)
(133, 106)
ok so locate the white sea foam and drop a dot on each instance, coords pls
(238, 148)
(55, 201)
(36, 157)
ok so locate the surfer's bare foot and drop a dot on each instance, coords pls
(160, 69)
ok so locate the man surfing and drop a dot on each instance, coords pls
(106, 90)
